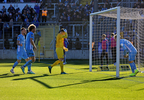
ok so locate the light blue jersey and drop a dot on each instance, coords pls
(21, 52)
(29, 46)
(21, 38)
(128, 48)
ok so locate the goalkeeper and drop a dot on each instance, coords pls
(59, 50)
(130, 53)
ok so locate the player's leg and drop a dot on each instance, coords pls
(15, 64)
(132, 64)
(102, 55)
(106, 54)
(31, 59)
(19, 57)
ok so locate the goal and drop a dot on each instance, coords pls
(127, 23)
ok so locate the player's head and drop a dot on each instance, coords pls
(23, 31)
(112, 34)
(103, 36)
(32, 28)
(62, 32)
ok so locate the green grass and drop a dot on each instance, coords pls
(78, 84)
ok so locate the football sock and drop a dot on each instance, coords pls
(29, 67)
(61, 65)
(55, 63)
(27, 63)
(15, 64)
(133, 67)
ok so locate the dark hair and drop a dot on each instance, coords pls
(31, 26)
(23, 28)
(103, 35)
(61, 31)
(112, 34)
(115, 36)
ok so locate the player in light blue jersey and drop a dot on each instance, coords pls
(29, 47)
(21, 52)
(130, 53)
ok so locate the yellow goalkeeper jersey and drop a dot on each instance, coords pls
(59, 40)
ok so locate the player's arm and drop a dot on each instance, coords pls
(66, 35)
(32, 42)
(18, 41)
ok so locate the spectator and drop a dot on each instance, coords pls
(10, 17)
(104, 7)
(44, 15)
(87, 5)
(70, 44)
(37, 8)
(15, 41)
(78, 44)
(72, 1)
(142, 4)
(11, 9)
(3, 9)
(99, 7)
(19, 19)
(4, 17)
(33, 14)
(6, 30)
(74, 17)
(1, 28)
(27, 23)
(6, 44)
(69, 18)
(36, 22)
(73, 7)
(78, 18)
(17, 10)
(10, 23)
(49, 5)
(29, 15)
(61, 19)
(21, 1)
(66, 2)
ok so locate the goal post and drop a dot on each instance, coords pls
(126, 23)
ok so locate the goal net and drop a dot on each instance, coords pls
(105, 51)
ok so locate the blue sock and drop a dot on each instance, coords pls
(29, 67)
(27, 63)
(15, 64)
(133, 67)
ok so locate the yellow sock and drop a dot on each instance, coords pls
(61, 65)
(55, 63)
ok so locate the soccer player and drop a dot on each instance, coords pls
(130, 53)
(59, 50)
(104, 49)
(21, 52)
(29, 47)
(113, 48)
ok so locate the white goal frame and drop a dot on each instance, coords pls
(118, 38)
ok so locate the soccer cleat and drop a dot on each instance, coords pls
(136, 71)
(30, 72)
(22, 68)
(63, 73)
(12, 71)
(132, 75)
(50, 68)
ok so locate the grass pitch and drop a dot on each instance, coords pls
(78, 84)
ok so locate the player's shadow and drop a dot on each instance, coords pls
(50, 87)
(7, 75)
(88, 68)
(88, 81)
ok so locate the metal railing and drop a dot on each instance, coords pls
(75, 30)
